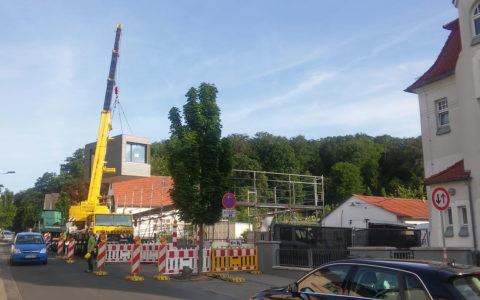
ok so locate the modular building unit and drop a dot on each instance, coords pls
(128, 154)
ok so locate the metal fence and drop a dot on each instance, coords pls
(308, 258)
(401, 254)
(311, 236)
(399, 238)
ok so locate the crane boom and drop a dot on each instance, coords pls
(92, 204)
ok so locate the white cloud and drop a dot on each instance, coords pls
(311, 82)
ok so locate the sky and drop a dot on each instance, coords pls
(312, 68)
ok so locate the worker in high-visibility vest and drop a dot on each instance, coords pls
(91, 251)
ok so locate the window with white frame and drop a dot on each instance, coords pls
(449, 216)
(476, 19)
(443, 119)
(463, 218)
(449, 223)
(462, 215)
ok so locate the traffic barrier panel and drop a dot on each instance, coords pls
(150, 252)
(119, 252)
(135, 263)
(102, 251)
(122, 252)
(178, 258)
(162, 264)
(60, 245)
(241, 259)
(174, 233)
(207, 262)
(48, 239)
(175, 259)
(70, 251)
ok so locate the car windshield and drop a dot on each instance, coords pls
(7, 233)
(29, 239)
(468, 286)
(113, 220)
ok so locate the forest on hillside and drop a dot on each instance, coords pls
(380, 166)
(360, 164)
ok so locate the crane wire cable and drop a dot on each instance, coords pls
(121, 111)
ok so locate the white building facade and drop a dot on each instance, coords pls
(360, 211)
(449, 101)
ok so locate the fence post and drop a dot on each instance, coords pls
(310, 258)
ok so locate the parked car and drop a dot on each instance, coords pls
(383, 279)
(6, 236)
(28, 247)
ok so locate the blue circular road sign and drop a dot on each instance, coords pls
(229, 200)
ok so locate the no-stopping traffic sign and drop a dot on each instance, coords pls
(229, 200)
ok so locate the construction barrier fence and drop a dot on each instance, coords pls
(214, 260)
(234, 259)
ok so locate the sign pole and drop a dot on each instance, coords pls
(228, 201)
(441, 201)
(228, 248)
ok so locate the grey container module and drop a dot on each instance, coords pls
(128, 154)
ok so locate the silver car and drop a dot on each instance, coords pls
(6, 236)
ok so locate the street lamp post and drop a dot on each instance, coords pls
(8, 172)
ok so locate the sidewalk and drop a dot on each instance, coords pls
(266, 279)
(8, 287)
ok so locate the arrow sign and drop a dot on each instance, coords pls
(440, 198)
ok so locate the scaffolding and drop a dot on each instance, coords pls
(278, 194)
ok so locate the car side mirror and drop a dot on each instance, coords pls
(293, 288)
(11, 243)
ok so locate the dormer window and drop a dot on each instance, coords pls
(476, 19)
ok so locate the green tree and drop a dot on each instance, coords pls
(8, 210)
(74, 164)
(344, 180)
(199, 160)
(29, 204)
(158, 154)
(63, 204)
(48, 183)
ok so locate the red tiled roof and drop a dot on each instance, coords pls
(412, 208)
(138, 192)
(446, 61)
(452, 173)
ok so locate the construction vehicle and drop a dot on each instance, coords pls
(91, 214)
(51, 222)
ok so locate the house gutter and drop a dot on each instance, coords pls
(470, 201)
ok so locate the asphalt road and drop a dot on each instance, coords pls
(59, 280)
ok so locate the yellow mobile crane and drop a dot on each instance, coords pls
(91, 215)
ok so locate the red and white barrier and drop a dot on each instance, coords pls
(198, 236)
(47, 238)
(177, 259)
(174, 234)
(60, 245)
(119, 252)
(135, 265)
(101, 256)
(70, 251)
(162, 259)
(171, 260)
